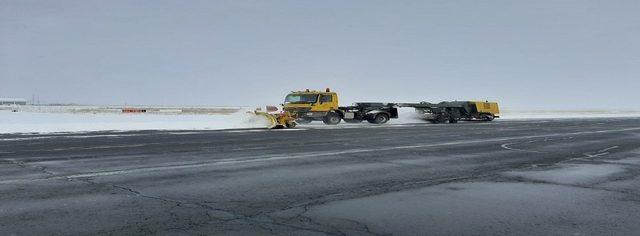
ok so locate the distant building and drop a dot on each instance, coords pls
(13, 101)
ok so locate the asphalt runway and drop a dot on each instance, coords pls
(528, 177)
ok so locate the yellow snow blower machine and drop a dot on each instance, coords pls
(276, 119)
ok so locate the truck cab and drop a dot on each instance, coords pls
(310, 105)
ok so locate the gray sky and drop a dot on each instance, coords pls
(524, 54)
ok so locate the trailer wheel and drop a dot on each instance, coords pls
(379, 119)
(488, 117)
(332, 118)
(440, 119)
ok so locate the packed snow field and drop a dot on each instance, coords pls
(32, 122)
(50, 119)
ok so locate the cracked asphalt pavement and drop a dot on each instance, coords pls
(527, 177)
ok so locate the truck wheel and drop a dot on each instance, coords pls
(379, 119)
(488, 117)
(352, 121)
(304, 121)
(332, 118)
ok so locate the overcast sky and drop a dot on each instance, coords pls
(525, 54)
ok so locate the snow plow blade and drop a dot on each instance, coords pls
(277, 120)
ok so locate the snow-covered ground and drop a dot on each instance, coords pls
(150, 109)
(34, 122)
(82, 119)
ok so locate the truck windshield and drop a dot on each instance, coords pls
(301, 98)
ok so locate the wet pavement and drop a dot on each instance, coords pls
(535, 177)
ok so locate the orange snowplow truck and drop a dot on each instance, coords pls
(311, 105)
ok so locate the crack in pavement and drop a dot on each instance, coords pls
(21, 164)
(588, 156)
(592, 187)
(507, 146)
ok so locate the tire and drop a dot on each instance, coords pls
(352, 121)
(380, 118)
(488, 117)
(332, 118)
(440, 119)
(304, 121)
(291, 125)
